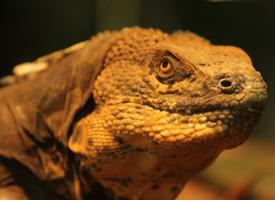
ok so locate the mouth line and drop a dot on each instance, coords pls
(249, 103)
(216, 108)
(256, 108)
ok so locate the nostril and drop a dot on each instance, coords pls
(226, 85)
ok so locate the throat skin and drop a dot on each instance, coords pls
(137, 151)
(139, 175)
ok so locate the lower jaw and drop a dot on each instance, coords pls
(223, 128)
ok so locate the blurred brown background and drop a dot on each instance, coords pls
(31, 28)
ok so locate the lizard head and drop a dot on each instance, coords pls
(194, 91)
(174, 101)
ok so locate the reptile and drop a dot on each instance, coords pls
(128, 114)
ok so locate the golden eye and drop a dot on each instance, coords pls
(166, 67)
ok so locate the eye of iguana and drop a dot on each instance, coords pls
(165, 66)
(166, 69)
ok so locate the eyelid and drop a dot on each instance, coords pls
(170, 55)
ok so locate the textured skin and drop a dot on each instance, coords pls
(140, 130)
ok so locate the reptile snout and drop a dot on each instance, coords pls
(256, 92)
(249, 89)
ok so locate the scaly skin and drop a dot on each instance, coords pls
(150, 132)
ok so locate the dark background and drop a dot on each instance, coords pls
(32, 28)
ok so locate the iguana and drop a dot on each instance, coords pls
(129, 114)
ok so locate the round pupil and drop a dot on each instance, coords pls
(165, 64)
